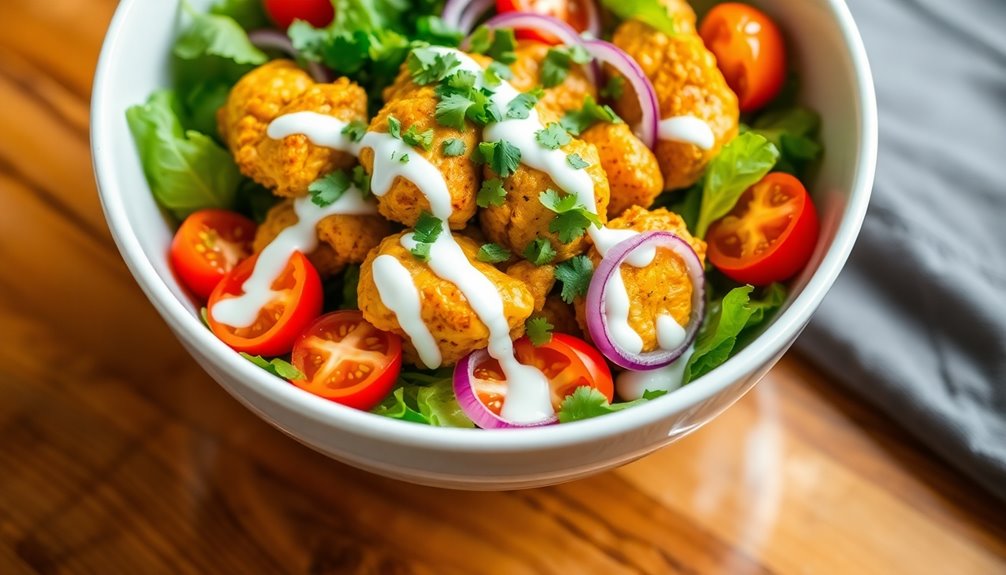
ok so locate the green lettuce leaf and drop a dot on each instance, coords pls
(186, 170)
(652, 12)
(739, 165)
(249, 14)
(425, 397)
(724, 324)
(794, 132)
(395, 406)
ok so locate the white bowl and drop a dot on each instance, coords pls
(836, 82)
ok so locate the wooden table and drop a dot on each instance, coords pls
(119, 455)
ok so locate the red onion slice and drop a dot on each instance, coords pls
(276, 40)
(608, 53)
(593, 18)
(545, 25)
(465, 383)
(597, 321)
(471, 13)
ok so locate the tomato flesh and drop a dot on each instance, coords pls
(770, 234)
(749, 50)
(568, 362)
(347, 360)
(572, 12)
(318, 13)
(296, 302)
(207, 245)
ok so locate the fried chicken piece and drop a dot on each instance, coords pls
(633, 174)
(522, 218)
(289, 165)
(404, 202)
(687, 83)
(561, 315)
(539, 279)
(345, 239)
(451, 320)
(663, 287)
(557, 100)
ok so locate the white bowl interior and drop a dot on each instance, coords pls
(835, 81)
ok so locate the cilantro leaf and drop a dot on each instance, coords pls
(187, 171)
(403, 159)
(577, 122)
(276, 366)
(613, 88)
(652, 12)
(552, 136)
(492, 193)
(480, 40)
(452, 109)
(520, 107)
(539, 252)
(355, 130)
(428, 65)
(361, 179)
(417, 139)
(538, 330)
(586, 402)
(575, 274)
(503, 46)
(329, 188)
(427, 230)
(571, 217)
(249, 14)
(394, 127)
(576, 162)
(502, 156)
(434, 30)
(558, 61)
(740, 164)
(493, 254)
(452, 147)
(495, 74)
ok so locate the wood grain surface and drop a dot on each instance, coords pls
(119, 455)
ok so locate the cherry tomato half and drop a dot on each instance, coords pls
(749, 50)
(209, 244)
(296, 302)
(567, 361)
(318, 13)
(347, 360)
(770, 234)
(573, 12)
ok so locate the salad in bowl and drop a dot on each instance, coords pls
(492, 215)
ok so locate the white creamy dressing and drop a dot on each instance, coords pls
(687, 129)
(528, 395)
(632, 384)
(243, 310)
(400, 294)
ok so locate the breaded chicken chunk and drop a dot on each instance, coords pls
(404, 202)
(663, 287)
(522, 218)
(345, 239)
(539, 279)
(561, 315)
(289, 165)
(633, 174)
(444, 309)
(687, 83)
(557, 100)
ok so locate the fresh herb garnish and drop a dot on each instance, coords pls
(740, 164)
(361, 180)
(587, 402)
(493, 254)
(394, 127)
(404, 159)
(452, 147)
(355, 130)
(577, 122)
(495, 74)
(571, 217)
(428, 65)
(538, 330)
(540, 251)
(427, 230)
(492, 193)
(552, 136)
(417, 139)
(501, 156)
(558, 61)
(575, 274)
(576, 162)
(329, 188)
(276, 366)
(520, 107)
(613, 88)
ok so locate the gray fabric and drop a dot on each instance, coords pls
(916, 323)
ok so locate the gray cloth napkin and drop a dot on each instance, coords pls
(916, 323)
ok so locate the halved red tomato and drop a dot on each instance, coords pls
(347, 360)
(749, 50)
(567, 361)
(573, 12)
(207, 245)
(769, 235)
(318, 13)
(296, 301)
